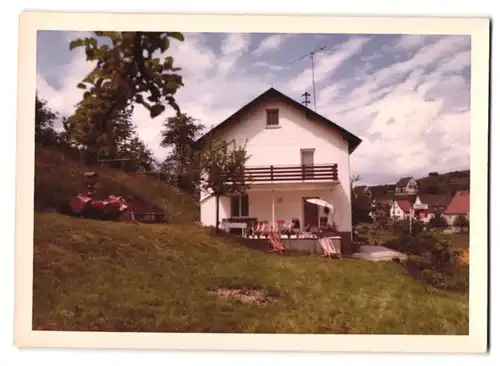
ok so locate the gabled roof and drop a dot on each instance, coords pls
(459, 205)
(404, 204)
(398, 197)
(352, 140)
(434, 200)
(403, 181)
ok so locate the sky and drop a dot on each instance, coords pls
(406, 96)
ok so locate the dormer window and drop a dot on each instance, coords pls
(272, 117)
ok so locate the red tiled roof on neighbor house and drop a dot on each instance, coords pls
(404, 205)
(459, 205)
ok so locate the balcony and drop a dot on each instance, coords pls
(291, 173)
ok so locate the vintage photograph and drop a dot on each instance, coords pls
(266, 183)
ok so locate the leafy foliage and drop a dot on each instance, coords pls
(139, 153)
(127, 72)
(179, 133)
(45, 118)
(127, 69)
(438, 221)
(361, 208)
(461, 221)
(221, 167)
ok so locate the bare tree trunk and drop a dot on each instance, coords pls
(217, 213)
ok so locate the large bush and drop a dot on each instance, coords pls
(432, 261)
(402, 227)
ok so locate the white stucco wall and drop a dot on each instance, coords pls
(397, 213)
(260, 206)
(282, 146)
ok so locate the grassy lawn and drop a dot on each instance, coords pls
(375, 236)
(91, 275)
(176, 277)
(456, 240)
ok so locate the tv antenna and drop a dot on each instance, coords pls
(306, 101)
(311, 55)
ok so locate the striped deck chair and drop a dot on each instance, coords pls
(276, 244)
(329, 248)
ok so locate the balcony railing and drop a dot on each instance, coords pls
(273, 173)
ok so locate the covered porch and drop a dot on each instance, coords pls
(300, 212)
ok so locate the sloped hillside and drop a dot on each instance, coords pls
(58, 177)
(178, 277)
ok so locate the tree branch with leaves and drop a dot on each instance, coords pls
(128, 71)
(222, 170)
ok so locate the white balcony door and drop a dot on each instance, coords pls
(307, 159)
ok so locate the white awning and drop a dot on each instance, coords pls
(320, 202)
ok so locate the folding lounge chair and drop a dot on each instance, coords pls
(276, 244)
(329, 248)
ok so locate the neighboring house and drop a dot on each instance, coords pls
(282, 137)
(362, 191)
(427, 206)
(459, 205)
(400, 209)
(406, 185)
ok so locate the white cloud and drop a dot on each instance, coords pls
(68, 95)
(234, 45)
(326, 64)
(270, 43)
(418, 124)
(413, 114)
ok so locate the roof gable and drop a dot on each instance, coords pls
(403, 182)
(459, 205)
(404, 205)
(353, 141)
(435, 199)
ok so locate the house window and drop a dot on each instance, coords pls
(272, 117)
(239, 206)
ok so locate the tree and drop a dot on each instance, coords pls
(461, 221)
(354, 179)
(126, 72)
(438, 221)
(431, 185)
(180, 133)
(361, 208)
(136, 150)
(45, 118)
(221, 168)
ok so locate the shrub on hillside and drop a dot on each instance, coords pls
(445, 281)
(461, 222)
(402, 227)
(438, 221)
(412, 244)
(432, 261)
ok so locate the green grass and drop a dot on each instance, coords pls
(373, 235)
(456, 240)
(116, 276)
(92, 275)
(59, 177)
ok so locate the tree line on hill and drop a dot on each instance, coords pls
(128, 74)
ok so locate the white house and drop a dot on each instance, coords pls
(400, 209)
(407, 186)
(295, 154)
(459, 206)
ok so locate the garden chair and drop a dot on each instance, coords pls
(276, 244)
(329, 248)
